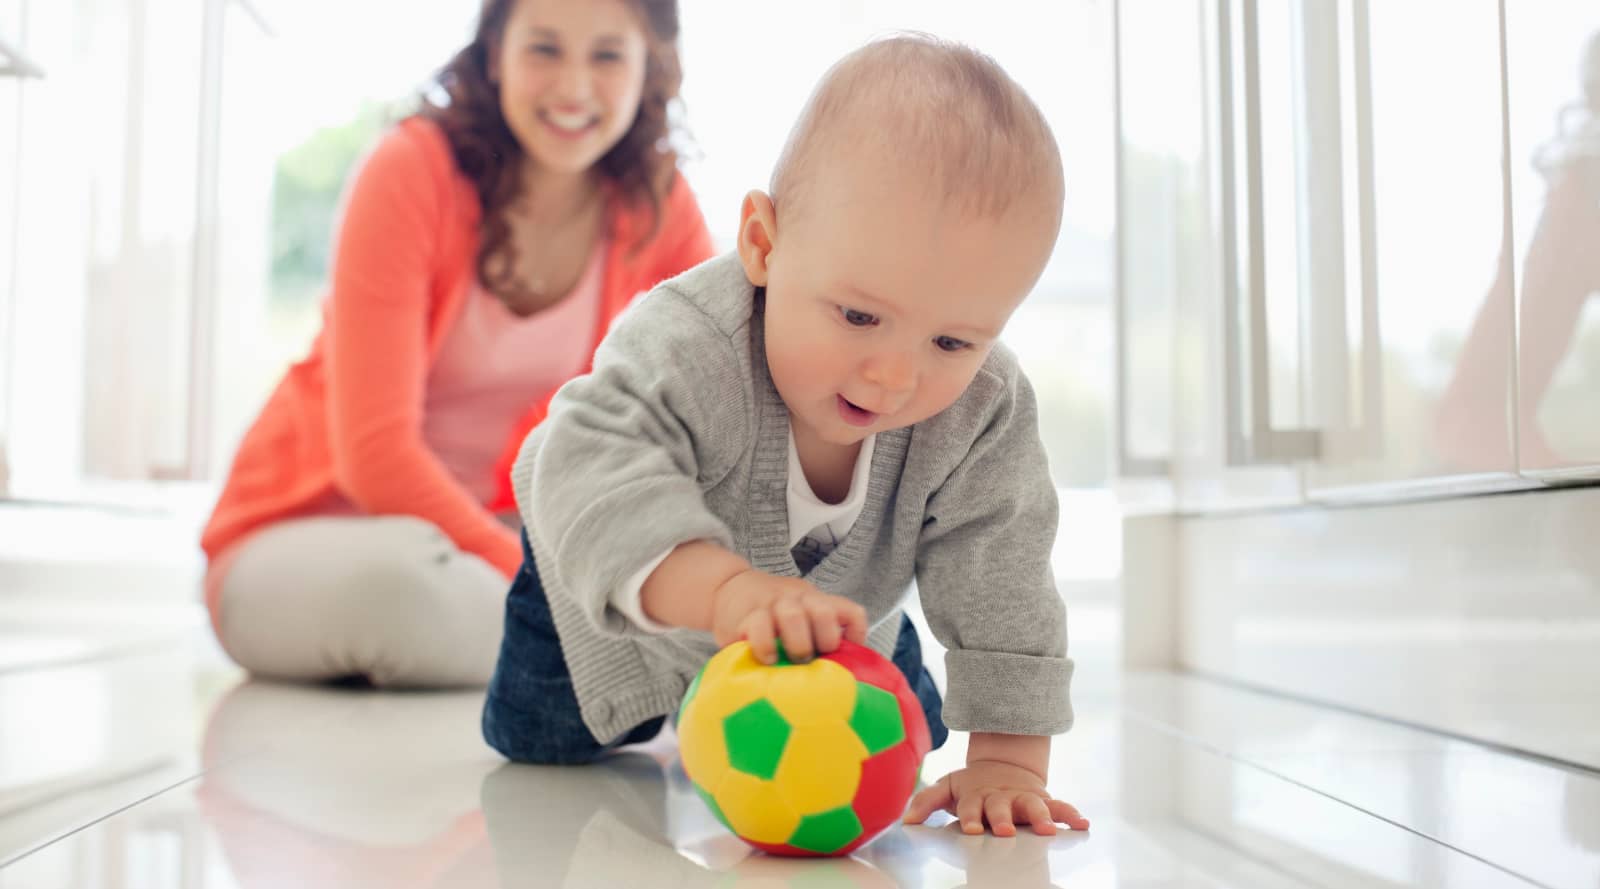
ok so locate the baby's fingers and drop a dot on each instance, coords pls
(825, 625)
(758, 632)
(1038, 813)
(1066, 814)
(853, 618)
(927, 801)
(794, 627)
(997, 808)
(969, 809)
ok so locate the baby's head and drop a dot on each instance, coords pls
(912, 209)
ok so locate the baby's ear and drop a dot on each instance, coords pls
(758, 228)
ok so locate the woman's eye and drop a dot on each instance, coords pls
(950, 343)
(857, 318)
(544, 49)
(608, 57)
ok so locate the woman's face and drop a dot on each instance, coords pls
(570, 73)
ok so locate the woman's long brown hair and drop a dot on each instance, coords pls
(642, 164)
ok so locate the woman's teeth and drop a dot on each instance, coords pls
(569, 121)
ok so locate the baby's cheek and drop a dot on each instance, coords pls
(809, 353)
(942, 392)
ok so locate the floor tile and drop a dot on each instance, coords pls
(348, 788)
(86, 729)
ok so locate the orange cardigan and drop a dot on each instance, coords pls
(349, 416)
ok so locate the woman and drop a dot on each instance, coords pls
(1560, 272)
(364, 529)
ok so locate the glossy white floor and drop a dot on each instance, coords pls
(155, 765)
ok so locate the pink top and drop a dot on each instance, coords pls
(491, 366)
(494, 364)
(348, 417)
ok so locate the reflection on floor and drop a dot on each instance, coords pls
(161, 768)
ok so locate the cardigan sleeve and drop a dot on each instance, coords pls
(616, 475)
(386, 256)
(984, 577)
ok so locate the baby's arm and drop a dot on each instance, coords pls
(616, 475)
(983, 572)
(703, 586)
(1003, 784)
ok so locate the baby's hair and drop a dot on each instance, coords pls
(939, 109)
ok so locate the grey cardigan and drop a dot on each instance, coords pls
(678, 434)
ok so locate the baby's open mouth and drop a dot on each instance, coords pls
(853, 413)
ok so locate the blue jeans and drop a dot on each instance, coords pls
(531, 714)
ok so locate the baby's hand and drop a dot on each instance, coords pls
(762, 608)
(1000, 793)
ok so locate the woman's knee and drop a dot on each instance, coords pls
(404, 624)
(431, 588)
(390, 598)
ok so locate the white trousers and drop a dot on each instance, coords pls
(389, 598)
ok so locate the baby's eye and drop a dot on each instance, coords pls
(545, 49)
(950, 343)
(607, 56)
(856, 318)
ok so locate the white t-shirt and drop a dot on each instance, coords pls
(820, 528)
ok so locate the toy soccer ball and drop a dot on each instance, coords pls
(803, 759)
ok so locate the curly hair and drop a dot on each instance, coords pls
(466, 106)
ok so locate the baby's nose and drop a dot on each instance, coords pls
(894, 372)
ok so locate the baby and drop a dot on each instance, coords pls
(775, 444)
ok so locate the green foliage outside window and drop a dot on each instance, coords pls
(307, 186)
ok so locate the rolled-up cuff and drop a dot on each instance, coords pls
(1013, 694)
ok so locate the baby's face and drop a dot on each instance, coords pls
(882, 303)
